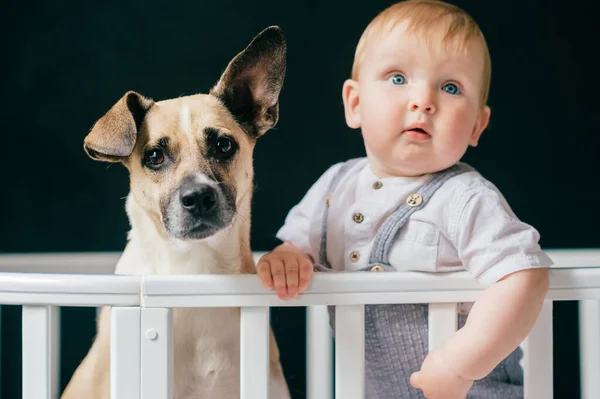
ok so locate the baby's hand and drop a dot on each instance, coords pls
(287, 269)
(437, 380)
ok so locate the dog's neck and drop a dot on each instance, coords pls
(227, 252)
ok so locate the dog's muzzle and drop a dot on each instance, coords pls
(198, 209)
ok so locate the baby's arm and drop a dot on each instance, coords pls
(498, 322)
(287, 268)
(503, 253)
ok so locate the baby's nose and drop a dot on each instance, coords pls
(430, 108)
(423, 101)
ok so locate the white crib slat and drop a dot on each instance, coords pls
(0, 350)
(538, 357)
(125, 323)
(319, 354)
(37, 352)
(443, 321)
(54, 351)
(254, 356)
(157, 353)
(350, 352)
(589, 348)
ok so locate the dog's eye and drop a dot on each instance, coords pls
(224, 145)
(220, 147)
(154, 157)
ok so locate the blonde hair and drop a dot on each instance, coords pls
(425, 17)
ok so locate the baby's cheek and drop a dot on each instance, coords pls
(377, 141)
(452, 150)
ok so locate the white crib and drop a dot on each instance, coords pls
(141, 351)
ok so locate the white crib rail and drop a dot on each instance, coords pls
(38, 381)
(146, 372)
(69, 289)
(125, 352)
(589, 348)
(254, 353)
(156, 354)
(443, 322)
(350, 352)
(538, 356)
(319, 353)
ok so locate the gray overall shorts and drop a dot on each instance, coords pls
(396, 335)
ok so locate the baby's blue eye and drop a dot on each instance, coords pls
(398, 79)
(451, 88)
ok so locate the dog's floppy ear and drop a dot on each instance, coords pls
(113, 136)
(250, 85)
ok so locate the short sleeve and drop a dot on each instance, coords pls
(491, 241)
(297, 226)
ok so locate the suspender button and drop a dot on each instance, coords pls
(414, 200)
(354, 256)
(377, 268)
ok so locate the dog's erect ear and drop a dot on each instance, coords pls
(250, 85)
(113, 136)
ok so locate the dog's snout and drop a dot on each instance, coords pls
(199, 199)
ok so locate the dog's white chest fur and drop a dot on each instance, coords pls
(207, 346)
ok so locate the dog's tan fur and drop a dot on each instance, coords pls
(241, 106)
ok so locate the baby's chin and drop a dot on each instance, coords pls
(424, 161)
(414, 166)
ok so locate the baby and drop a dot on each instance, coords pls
(418, 92)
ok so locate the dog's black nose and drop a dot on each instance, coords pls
(198, 199)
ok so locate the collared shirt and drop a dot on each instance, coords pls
(466, 225)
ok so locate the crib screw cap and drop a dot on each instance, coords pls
(151, 334)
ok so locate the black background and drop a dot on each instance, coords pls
(65, 63)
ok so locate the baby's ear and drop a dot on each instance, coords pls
(480, 125)
(351, 103)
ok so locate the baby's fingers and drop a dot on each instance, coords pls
(306, 272)
(415, 380)
(291, 273)
(278, 273)
(263, 270)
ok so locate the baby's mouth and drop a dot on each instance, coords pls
(417, 133)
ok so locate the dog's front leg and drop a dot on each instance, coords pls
(278, 387)
(91, 380)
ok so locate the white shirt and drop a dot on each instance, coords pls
(466, 225)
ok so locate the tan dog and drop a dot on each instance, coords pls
(190, 163)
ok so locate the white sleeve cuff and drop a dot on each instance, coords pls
(513, 264)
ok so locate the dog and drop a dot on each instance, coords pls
(191, 181)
